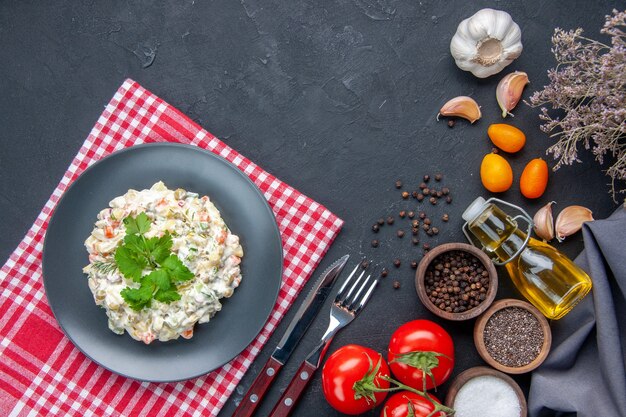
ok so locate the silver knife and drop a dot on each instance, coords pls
(298, 326)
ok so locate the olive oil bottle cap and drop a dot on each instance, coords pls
(474, 209)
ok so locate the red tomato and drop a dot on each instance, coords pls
(398, 405)
(346, 366)
(421, 336)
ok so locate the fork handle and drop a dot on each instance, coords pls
(292, 394)
(253, 397)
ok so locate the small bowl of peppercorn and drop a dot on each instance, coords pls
(456, 281)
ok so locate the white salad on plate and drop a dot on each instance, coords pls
(160, 260)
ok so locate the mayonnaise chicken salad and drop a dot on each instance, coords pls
(159, 262)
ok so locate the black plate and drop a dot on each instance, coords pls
(244, 210)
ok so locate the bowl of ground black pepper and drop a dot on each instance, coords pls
(456, 281)
(513, 336)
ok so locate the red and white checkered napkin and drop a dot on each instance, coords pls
(43, 374)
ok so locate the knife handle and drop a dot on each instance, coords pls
(290, 397)
(257, 390)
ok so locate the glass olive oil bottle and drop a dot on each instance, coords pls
(545, 276)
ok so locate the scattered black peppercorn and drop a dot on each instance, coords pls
(396, 285)
(451, 123)
(384, 272)
(424, 192)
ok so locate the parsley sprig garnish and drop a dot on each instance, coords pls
(139, 254)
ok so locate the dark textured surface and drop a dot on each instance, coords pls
(337, 98)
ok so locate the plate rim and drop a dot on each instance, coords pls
(220, 159)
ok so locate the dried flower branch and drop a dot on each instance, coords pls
(588, 86)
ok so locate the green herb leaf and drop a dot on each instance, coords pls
(167, 296)
(138, 254)
(159, 278)
(176, 269)
(137, 225)
(137, 298)
(104, 267)
(129, 263)
(135, 243)
(160, 247)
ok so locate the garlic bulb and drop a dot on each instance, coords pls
(486, 42)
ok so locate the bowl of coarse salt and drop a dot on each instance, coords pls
(486, 392)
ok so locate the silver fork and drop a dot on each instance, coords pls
(349, 302)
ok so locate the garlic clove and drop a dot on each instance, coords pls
(462, 106)
(509, 91)
(544, 222)
(570, 221)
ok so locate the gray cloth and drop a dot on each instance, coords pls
(584, 374)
